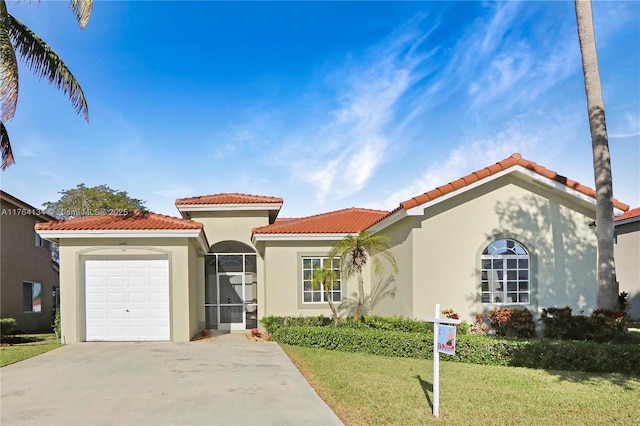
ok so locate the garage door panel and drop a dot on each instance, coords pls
(127, 300)
(137, 297)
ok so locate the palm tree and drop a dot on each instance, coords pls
(326, 278)
(15, 37)
(607, 287)
(354, 251)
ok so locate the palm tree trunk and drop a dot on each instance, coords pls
(356, 317)
(334, 313)
(607, 287)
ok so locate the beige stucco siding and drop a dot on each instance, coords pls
(627, 252)
(230, 225)
(399, 286)
(282, 290)
(452, 234)
(182, 282)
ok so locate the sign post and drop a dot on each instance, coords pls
(444, 340)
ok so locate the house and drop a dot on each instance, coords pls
(627, 254)
(28, 275)
(511, 234)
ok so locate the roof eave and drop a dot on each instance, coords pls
(517, 169)
(300, 237)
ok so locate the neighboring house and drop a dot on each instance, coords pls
(627, 252)
(29, 276)
(511, 234)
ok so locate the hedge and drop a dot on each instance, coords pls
(272, 323)
(476, 349)
(7, 325)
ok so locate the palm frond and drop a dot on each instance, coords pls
(5, 148)
(82, 11)
(46, 64)
(8, 69)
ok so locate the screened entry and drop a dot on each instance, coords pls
(231, 291)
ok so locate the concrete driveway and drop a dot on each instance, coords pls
(230, 381)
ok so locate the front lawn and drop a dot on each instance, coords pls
(367, 389)
(16, 348)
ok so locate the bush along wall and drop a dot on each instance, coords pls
(7, 326)
(273, 323)
(476, 349)
(601, 326)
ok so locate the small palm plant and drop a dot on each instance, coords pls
(354, 251)
(326, 278)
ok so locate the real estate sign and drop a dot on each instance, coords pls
(447, 339)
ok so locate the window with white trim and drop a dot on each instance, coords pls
(505, 276)
(318, 294)
(31, 297)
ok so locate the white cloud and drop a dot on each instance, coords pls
(348, 148)
(465, 159)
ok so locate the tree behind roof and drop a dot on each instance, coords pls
(83, 201)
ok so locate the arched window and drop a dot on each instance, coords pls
(505, 273)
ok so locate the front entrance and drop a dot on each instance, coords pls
(230, 291)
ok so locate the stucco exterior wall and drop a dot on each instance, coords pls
(627, 254)
(21, 261)
(283, 279)
(230, 225)
(398, 286)
(73, 252)
(453, 233)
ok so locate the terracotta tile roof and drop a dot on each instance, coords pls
(134, 221)
(229, 199)
(629, 214)
(351, 220)
(513, 160)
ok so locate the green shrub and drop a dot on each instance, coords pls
(476, 349)
(512, 322)
(272, 323)
(602, 325)
(581, 328)
(395, 324)
(57, 324)
(557, 322)
(7, 325)
(609, 326)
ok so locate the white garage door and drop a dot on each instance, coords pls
(127, 300)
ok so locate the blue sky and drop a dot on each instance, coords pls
(325, 104)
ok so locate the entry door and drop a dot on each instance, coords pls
(232, 304)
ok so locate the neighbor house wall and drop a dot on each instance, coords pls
(283, 279)
(73, 252)
(22, 261)
(453, 233)
(627, 255)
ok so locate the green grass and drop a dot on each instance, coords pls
(23, 346)
(634, 331)
(375, 390)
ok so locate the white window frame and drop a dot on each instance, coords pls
(505, 279)
(32, 284)
(307, 280)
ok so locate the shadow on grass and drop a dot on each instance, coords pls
(22, 339)
(624, 381)
(427, 389)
